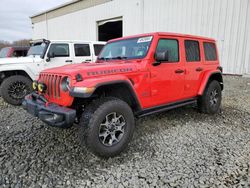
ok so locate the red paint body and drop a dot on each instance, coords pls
(153, 85)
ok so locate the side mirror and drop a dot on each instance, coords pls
(49, 56)
(161, 56)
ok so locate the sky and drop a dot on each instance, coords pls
(15, 22)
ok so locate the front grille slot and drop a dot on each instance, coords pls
(55, 88)
(53, 84)
(47, 83)
(58, 88)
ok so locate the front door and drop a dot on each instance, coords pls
(59, 54)
(167, 79)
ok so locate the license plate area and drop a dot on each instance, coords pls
(32, 109)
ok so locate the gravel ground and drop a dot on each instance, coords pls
(179, 148)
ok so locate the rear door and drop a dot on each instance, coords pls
(82, 53)
(194, 67)
(167, 79)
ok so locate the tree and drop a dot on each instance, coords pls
(24, 42)
(4, 44)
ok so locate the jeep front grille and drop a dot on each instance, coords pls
(53, 84)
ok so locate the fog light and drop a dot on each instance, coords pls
(42, 87)
(35, 85)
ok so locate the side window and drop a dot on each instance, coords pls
(59, 50)
(192, 50)
(82, 50)
(170, 45)
(19, 53)
(98, 48)
(210, 51)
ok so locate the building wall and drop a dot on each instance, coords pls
(83, 24)
(228, 21)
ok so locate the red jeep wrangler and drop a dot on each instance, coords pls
(134, 76)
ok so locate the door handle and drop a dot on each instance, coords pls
(179, 71)
(68, 61)
(88, 60)
(199, 69)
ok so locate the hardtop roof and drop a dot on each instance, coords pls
(68, 41)
(166, 34)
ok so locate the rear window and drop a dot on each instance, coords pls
(210, 51)
(98, 48)
(192, 50)
(82, 50)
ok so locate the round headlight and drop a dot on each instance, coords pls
(35, 85)
(65, 83)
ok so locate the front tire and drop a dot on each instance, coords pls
(107, 126)
(210, 101)
(15, 88)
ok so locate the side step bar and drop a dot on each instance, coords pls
(167, 107)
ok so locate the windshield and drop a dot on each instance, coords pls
(134, 48)
(4, 52)
(36, 49)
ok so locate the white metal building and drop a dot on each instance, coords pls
(228, 21)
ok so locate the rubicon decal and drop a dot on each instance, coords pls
(110, 71)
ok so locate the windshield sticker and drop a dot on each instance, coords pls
(144, 39)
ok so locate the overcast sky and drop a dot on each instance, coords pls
(15, 23)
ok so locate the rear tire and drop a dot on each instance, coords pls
(210, 101)
(107, 126)
(15, 88)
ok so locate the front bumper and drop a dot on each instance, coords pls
(50, 113)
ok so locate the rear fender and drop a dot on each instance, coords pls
(215, 75)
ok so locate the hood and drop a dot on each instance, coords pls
(93, 69)
(19, 60)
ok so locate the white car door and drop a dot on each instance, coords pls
(82, 53)
(58, 55)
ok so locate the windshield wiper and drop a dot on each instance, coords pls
(103, 58)
(108, 58)
(119, 57)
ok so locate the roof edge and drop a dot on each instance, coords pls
(55, 8)
(66, 8)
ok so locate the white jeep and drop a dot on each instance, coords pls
(16, 74)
